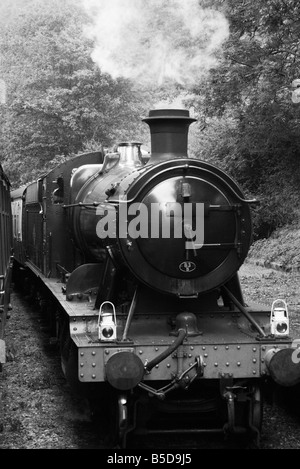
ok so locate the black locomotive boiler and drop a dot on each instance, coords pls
(135, 261)
(5, 258)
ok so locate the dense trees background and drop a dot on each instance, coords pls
(59, 102)
(252, 126)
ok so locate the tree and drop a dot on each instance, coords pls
(58, 99)
(249, 95)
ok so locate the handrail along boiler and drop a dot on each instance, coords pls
(151, 316)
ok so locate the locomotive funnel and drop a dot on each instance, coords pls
(169, 133)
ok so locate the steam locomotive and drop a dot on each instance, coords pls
(134, 259)
(5, 258)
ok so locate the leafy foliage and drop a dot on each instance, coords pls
(57, 97)
(252, 126)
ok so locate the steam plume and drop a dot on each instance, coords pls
(155, 41)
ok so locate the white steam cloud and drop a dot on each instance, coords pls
(154, 41)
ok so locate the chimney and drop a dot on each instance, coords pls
(169, 133)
